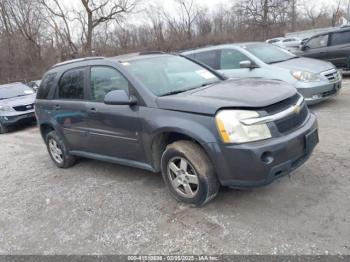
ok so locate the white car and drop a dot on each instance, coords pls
(289, 43)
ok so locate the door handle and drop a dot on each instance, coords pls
(57, 107)
(93, 109)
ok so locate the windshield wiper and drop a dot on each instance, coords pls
(279, 61)
(185, 90)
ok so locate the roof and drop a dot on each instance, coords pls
(201, 49)
(11, 84)
(337, 30)
(138, 55)
(124, 57)
(77, 60)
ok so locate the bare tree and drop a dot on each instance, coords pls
(188, 14)
(63, 33)
(101, 11)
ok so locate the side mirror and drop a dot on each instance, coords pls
(247, 64)
(119, 97)
(304, 47)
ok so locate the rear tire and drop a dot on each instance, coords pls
(189, 173)
(58, 151)
(3, 128)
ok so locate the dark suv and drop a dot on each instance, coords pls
(333, 46)
(166, 113)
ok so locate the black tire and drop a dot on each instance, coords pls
(67, 159)
(208, 184)
(3, 128)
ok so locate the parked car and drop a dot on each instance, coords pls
(16, 105)
(162, 112)
(34, 84)
(288, 43)
(315, 80)
(333, 46)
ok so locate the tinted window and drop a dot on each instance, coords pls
(15, 90)
(341, 38)
(210, 58)
(46, 85)
(269, 53)
(317, 42)
(71, 85)
(230, 59)
(168, 74)
(106, 79)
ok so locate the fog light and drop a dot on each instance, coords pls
(267, 157)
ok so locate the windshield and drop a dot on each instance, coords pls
(270, 54)
(10, 91)
(166, 75)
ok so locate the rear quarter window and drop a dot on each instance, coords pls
(46, 85)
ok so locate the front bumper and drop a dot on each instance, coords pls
(319, 91)
(14, 119)
(259, 163)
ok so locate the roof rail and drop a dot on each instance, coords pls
(77, 60)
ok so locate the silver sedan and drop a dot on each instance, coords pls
(316, 80)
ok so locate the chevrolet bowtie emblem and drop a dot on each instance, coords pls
(297, 109)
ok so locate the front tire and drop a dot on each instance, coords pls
(189, 173)
(3, 128)
(58, 151)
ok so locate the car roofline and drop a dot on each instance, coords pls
(210, 48)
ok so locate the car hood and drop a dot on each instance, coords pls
(236, 93)
(306, 64)
(19, 101)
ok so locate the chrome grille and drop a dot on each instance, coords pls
(291, 122)
(332, 75)
(24, 107)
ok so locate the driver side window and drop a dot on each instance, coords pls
(230, 59)
(317, 42)
(104, 79)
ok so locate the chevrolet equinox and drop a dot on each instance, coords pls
(166, 113)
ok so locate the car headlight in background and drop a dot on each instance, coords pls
(6, 108)
(305, 76)
(232, 130)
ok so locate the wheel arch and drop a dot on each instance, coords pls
(165, 137)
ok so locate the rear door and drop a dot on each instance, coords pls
(339, 49)
(69, 107)
(114, 130)
(317, 47)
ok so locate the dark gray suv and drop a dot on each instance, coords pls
(166, 113)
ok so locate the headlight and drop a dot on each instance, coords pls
(232, 130)
(305, 76)
(6, 108)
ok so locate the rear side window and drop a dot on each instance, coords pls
(46, 85)
(210, 58)
(230, 59)
(105, 79)
(340, 38)
(71, 85)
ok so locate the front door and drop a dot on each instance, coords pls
(317, 47)
(229, 65)
(114, 130)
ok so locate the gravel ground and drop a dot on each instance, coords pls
(100, 208)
